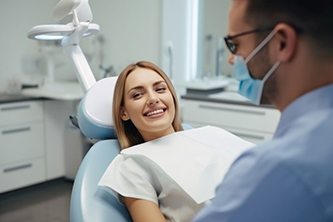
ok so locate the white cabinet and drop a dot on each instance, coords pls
(61, 138)
(252, 123)
(34, 136)
(22, 153)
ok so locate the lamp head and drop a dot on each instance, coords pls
(81, 13)
(58, 31)
(50, 32)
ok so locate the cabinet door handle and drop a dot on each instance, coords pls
(10, 108)
(260, 113)
(18, 130)
(20, 167)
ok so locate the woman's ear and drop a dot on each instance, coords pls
(123, 114)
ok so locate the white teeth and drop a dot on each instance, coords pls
(155, 112)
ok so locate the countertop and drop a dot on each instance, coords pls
(66, 91)
(8, 98)
(227, 93)
(223, 96)
(57, 91)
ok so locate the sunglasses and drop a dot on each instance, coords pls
(232, 46)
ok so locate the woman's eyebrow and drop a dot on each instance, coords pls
(141, 87)
(159, 82)
(135, 88)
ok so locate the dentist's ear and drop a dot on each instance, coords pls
(287, 42)
(124, 115)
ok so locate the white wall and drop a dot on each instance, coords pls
(16, 18)
(216, 17)
(131, 30)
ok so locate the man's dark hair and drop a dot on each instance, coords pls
(313, 18)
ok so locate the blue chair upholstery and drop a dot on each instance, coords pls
(88, 201)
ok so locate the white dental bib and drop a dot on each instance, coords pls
(197, 159)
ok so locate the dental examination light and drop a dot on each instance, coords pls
(70, 35)
(92, 121)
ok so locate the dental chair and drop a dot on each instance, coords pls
(88, 201)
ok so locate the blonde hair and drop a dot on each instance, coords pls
(128, 135)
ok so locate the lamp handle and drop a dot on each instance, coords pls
(67, 7)
(64, 8)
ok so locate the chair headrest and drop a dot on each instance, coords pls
(95, 110)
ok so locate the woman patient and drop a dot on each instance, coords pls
(145, 108)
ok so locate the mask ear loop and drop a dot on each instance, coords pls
(260, 46)
(270, 72)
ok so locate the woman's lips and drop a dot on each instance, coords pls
(155, 113)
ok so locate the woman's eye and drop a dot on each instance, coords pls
(160, 89)
(136, 95)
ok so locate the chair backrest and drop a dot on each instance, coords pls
(95, 110)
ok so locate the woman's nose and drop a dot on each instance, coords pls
(152, 99)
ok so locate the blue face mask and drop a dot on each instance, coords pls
(249, 87)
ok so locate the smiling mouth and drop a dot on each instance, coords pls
(154, 112)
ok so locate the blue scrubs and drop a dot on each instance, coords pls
(288, 179)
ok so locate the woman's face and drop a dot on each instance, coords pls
(148, 103)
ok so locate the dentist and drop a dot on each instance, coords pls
(282, 53)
